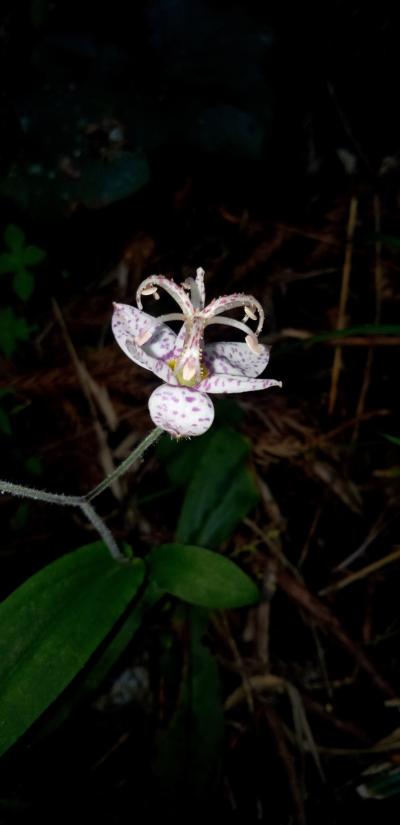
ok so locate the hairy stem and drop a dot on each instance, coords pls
(83, 502)
(126, 464)
(39, 495)
(103, 532)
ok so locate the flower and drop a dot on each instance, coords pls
(189, 370)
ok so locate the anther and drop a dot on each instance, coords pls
(189, 370)
(144, 337)
(149, 290)
(253, 344)
(250, 313)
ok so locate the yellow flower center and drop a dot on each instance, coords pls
(187, 382)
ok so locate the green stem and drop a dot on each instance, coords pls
(103, 532)
(39, 495)
(124, 467)
(83, 502)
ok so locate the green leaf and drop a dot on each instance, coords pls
(181, 457)
(23, 283)
(101, 663)
(34, 465)
(39, 10)
(189, 749)
(220, 493)
(240, 496)
(50, 627)
(380, 782)
(394, 439)
(361, 329)
(20, 518)
(389, 240)
(8, 262)
(201, 577)
(12, 330)
(5, 423)
(14, 238)
(33, 255)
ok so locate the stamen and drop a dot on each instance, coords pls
(250, 313)
(176, 292)
(143, 337)
(229, 322)
(149, 290)
(252, 343)
(189, 370)
(228, 302)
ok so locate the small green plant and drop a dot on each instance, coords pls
(18, 261)
(55, 622)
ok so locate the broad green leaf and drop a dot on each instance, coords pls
(181, 457)
(51, 625)
(23, 283)
(33, 255)
(188, 750)
(201, 577)
(223, 454)
(8, 262)
(14, 238)
(100, 664)
(220, 493)
(12, 330)
(240, 497)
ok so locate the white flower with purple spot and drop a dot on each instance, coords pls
(189, 369)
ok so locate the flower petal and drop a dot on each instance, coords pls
(236, 383)
(232, 358)
(179, 341)
(127, 324)
(181, 411)
(176, 292)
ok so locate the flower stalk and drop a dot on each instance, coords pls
(83, 502)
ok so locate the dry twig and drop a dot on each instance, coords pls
(344, 291)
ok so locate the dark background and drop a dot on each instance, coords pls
(158, 137)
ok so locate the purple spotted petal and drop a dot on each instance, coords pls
(156, 365)
(181, 410)
(236, 383)
(231, 358)
(123, 325)
(179, 341)
(129, 322)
